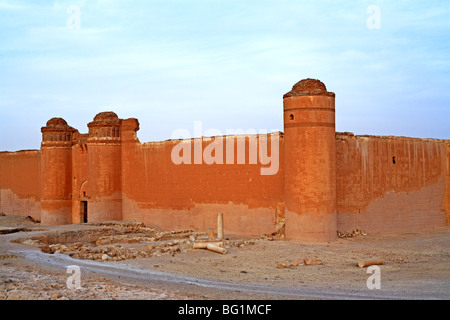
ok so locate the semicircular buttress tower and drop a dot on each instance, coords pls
(56, 172)
(105, 168)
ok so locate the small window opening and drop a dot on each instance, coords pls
(291, 117)
(393, 160)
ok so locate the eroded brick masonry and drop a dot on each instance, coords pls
(325, 182)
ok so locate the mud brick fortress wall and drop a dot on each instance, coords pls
(326, 181)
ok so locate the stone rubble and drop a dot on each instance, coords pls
(123, 241)
(354, 233)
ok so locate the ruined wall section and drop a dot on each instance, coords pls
(173, 196)
(389, 184)
(20, 174)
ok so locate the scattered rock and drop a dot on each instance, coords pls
(7, 256)
(277, 235)
(105, 257)
(354, 233)
(297, 263)
(312, 262)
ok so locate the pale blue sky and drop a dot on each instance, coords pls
(226, 63)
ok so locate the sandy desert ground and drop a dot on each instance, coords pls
(127, 261)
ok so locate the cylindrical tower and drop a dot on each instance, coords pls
(310, 162)
(104, 168)
(56, 172)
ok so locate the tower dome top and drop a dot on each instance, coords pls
(108, 116)
(57, 123)
(309, 87)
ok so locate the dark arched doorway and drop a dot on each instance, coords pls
(84, 202)
(84, 211)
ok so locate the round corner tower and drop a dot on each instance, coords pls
(310, 162)
(56, 172)
(105, 168)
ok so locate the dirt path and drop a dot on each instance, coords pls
(417, 266)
